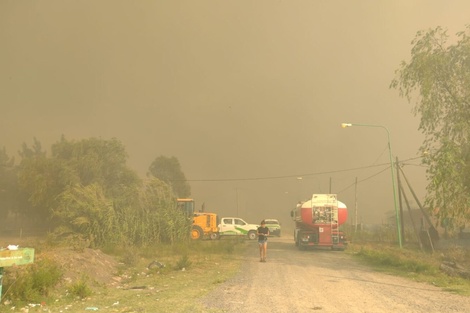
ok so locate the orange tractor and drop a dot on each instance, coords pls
(204, 224)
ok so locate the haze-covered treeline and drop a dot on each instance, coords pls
(169, 170)
(85, 192)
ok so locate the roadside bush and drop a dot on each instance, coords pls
(408, 261)
(80, 289)
(32, 282)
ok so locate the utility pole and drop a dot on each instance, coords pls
(237, 201)
(399, 197)
(355, 204)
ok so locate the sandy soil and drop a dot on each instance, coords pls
(323, 281)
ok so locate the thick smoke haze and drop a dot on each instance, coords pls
(248, 95)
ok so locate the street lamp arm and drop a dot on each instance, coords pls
(344, 125)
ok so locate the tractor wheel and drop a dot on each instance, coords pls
(214, 236)
(252, 235)
(197, 233)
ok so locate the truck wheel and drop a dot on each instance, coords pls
(197, 233)
(252, 235)
(214, 236)
(299, 245)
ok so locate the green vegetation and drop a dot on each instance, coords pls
(173, 277)
(84, 194)
(169, 171)
(80, 289)
(437, 79)
(32, 282)
(176, 276)
(414, 264)
(183, 263)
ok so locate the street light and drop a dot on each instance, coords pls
(397, 213)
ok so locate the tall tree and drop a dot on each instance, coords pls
(100, 161)
(84, 162)
(168, 170)
(438, 78)
(8, 184)
(40, 180)
(94, 198)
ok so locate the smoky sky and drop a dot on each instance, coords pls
(248, 95)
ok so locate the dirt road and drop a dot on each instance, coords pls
(323, 281)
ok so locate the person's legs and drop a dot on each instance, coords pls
(260, 251)
(265, 248)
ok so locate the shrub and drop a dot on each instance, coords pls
(80, 289)
(33, 282)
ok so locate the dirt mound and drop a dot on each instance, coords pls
(93, 264)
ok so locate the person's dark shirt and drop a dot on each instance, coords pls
(263, 233)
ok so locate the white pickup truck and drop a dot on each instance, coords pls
(235, 226)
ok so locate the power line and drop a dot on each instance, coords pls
(280, 177)
(291, 176)
(362, 180)
(417, 165)
(367, 178)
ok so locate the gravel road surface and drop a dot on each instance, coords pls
(323, 281)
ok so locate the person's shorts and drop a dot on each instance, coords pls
(262, 242)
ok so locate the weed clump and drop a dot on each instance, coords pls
(32, 282)
(80, 289)
(183, 263)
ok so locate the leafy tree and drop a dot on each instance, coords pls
(34, 151)
(8, 184)
(168, 169)
(84, 162)
(40, 180)
(99, 161)
(94, 198)
(438, 78)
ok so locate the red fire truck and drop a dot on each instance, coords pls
(318, 221)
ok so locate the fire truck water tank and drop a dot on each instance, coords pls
(304, 213)
(342, 213)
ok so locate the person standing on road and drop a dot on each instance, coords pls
(263, 233)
